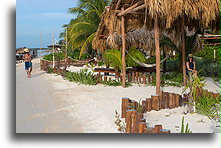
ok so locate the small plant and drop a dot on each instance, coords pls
(82, 77)
(50, 70)
(114, 83)
(186, 129)
(119, 123)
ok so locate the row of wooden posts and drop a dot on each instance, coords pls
(135, 123)
(135, 77)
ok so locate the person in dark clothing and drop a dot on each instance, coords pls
(191, 66)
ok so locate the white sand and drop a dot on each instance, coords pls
(94, 106)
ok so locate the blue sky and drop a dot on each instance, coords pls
(34, 16)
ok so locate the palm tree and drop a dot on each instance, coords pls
(81, 30)
(191, 45)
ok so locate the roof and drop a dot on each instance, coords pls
(196, 13)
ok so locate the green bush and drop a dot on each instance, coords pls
(57, 56)
(82, 77)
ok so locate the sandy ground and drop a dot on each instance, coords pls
(38, 109)
(92, 108)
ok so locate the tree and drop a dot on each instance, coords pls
(82, 29)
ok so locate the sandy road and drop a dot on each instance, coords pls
(38, 109)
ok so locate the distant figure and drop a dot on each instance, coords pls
(191, 66)
(28, 64)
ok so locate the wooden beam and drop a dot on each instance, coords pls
(157, 45)
(138, 8)
(118, 4)
(129, 9)
(123, 51)
(183, 51)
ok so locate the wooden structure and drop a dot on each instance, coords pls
(140, 18)
(135, 123)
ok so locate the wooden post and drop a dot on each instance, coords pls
(129, 77)
(148, 104)
(133, 77)
(147, 130)
(125, 102)
(157, 45)
(158, 128)
(140, 75)
(165, 131)
(171, 100)
(109, 79)
(105, 78)
(155, 102)
(177, 100)
(148, 78)
(134, 125)
(137, 75)
(162, 100)
(144, 79)
(183, 51)
(142, 125)
(128, 121)
(123, 50)
(144, 103)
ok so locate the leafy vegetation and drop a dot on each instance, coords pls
(205, 105)
(115, 83)
(57, 56)
(81, 30)
(113, 58)
(83, 77)
(185, 129)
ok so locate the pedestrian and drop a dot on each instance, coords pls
(28, 64)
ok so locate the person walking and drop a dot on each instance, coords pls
(28, 64)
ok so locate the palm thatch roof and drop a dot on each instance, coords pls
(198, 14)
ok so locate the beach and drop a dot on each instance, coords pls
(60, 106)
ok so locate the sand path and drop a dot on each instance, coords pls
(38, 109)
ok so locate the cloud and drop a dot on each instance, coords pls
(56, 15)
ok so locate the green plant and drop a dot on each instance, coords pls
(113, 58)
(57, 56)
(50, 70)
(82, 77)
(114, 83)
(186, 129)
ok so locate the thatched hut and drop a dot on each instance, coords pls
(140, 23)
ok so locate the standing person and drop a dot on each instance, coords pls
(191, 66)
(28, 64)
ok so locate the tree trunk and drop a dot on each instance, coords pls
(183, 52)
(157, 44)
(123, 51)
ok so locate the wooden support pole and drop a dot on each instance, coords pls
(140, 76)
(109, 79)
(125, 103)
(117, 6)
(129, 77)
(123, 12)
(123, 51)
(171, 100)
(157, 44)
(155, 102)
(148, 104)
(142, 125)
(183, 51)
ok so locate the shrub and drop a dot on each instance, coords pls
(57, 56)
(82, 77)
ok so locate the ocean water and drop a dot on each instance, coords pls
(41, 53)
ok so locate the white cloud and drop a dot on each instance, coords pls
(56, 15)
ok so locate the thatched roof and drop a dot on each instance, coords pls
(198, 14)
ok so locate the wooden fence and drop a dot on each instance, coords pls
(135, 77)
(135, 123)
